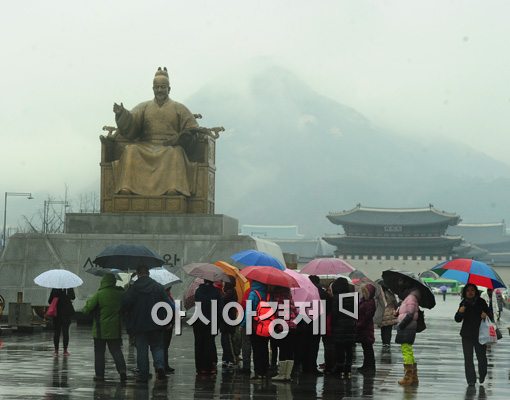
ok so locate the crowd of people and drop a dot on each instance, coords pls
(274, 356)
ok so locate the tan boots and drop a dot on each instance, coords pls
(411, 375)
(415, 374)
(284, 371)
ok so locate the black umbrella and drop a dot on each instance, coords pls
(128, 256)
(399, 281)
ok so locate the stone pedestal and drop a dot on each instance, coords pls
(152, 224)
(179, 238)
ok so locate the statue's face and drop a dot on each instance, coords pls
(161, 90)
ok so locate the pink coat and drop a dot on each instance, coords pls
(409, 306)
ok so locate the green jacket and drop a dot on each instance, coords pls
(104, 306)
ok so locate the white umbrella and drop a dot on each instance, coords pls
(58, 279)
(165, 277)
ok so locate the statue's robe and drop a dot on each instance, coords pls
(147, 167)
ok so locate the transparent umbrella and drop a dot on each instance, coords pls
(58, 279)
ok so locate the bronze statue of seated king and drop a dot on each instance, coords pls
(158, 159)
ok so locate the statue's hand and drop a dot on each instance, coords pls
(117, 109)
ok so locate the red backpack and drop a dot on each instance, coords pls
(265, 314)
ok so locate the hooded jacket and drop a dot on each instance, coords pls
(366, 311)
(104, 305)
(138, 301)
(389, 317)
(407, 317)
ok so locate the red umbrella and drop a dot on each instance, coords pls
(327, 266)
(269, 276)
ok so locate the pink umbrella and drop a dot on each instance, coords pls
(306, 291)
(189, 295)
(327, 266)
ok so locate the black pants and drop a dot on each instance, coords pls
(329, 353)
(227, 345)
(115, 348)
(273, 344)
(467, 347)
(206, 355)
(368, 355)
(246, 349)
(307, 348)
(343, 353)
(286, 347)
(259, 345)
(386, 334)
(167, 339)
(61, 325)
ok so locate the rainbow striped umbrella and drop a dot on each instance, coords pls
(466, 270)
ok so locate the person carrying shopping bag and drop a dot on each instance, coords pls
(472, 310)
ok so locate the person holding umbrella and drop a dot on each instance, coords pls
(228, 331)
(206, 356)
(414, 293)
(365, 328)
(343, 327)
(472, 310)
(259, 344)
(62, 321)
(407, 315)
(61, 282)
(105, 305)
(137, 303)
(286, 346)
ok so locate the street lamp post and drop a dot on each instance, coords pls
(27, 195)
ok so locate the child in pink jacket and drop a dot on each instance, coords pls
(406, 333)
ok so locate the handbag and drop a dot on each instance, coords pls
(498, 333)
(487, 333)
(420, 323)
(51, 312)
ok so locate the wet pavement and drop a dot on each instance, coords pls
(28, 370)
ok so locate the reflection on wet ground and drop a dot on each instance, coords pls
(28, 370)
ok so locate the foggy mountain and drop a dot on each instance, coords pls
(291, 155)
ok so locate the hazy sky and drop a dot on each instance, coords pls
(438, 68)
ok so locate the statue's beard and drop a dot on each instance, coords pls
(161, 98)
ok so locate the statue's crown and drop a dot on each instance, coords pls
(161, 72)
